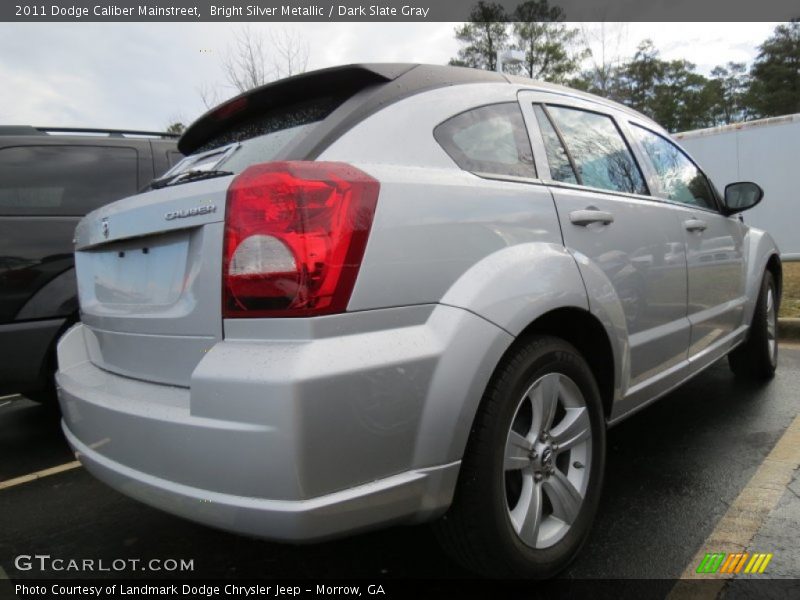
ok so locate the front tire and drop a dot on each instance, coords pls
(757, 357)
(532, 473)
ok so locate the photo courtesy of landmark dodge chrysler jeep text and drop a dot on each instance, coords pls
(405, 293)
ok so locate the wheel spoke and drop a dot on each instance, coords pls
(573, 429)
(566, 500)
(517, 454)
(544, 397)
(527, 514)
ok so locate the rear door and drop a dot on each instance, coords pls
(619, 234)
(714, 242)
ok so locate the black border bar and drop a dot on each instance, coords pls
(383, 10)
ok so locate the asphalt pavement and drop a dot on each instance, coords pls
(673, 471)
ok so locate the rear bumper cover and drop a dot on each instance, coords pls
(295, 440)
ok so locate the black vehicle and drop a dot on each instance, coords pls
(49, 179)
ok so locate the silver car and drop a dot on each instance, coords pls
(397, 293)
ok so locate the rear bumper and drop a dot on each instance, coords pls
(295, 440)
(24, 348)
(388, 500)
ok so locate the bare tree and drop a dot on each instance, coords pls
(605, 51)
(290, 53)
(253, 59)
(210, 95)
(245, 62)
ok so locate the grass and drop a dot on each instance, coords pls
(790, 303)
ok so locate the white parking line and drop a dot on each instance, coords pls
(10, 396)
(8, 483)
(5, 404)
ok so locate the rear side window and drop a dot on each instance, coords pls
(491, 139)
(598, 150)
(680, 180)
(64, 180)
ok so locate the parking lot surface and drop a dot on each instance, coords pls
(673, 471)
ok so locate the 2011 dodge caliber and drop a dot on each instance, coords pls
(397, 293)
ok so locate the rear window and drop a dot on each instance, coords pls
(263, 137)
(64, 180)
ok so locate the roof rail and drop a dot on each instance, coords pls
(29, 130)
(110, 132)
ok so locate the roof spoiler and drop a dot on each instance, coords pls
(346, 80)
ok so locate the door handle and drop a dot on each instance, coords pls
(585, 217)
(695, 225)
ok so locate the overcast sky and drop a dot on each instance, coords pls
(146, 75)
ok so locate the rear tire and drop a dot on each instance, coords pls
(757, 357)
(532, 472)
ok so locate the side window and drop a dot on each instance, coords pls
(64, 180)
(598, 150)
(491, 139)
(680, 179)
(560, 167)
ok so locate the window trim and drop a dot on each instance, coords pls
(621, 133)
(537, 178)
(559, 135)
(661, 195)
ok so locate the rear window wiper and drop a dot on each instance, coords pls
(187, 176)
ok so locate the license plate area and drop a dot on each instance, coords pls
(147, 271)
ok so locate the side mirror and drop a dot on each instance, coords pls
(742, 196)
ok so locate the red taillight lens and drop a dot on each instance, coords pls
(295, 234)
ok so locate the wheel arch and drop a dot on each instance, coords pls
(583, 330)
(775, 267)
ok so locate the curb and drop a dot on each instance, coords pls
(789, 329)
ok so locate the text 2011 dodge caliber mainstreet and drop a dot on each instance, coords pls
(396, 293)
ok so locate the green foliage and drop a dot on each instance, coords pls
(482, 37)
(727, 91)
(547, 43)
(775, 89)
(671, 92)
(176, 127)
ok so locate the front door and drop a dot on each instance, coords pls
(714, 244)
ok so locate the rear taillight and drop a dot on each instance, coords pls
(295, 234)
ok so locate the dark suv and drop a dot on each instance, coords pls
(49, 179)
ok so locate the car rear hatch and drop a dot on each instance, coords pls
(149, 267)
(148, 272)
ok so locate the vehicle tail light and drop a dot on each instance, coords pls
(295, 234)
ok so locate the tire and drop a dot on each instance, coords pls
(507, 466)
(46, 393)
(757, 357)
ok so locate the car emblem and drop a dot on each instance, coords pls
(105, 228)
(196, 211)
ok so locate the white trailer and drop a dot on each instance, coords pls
(766, 151)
